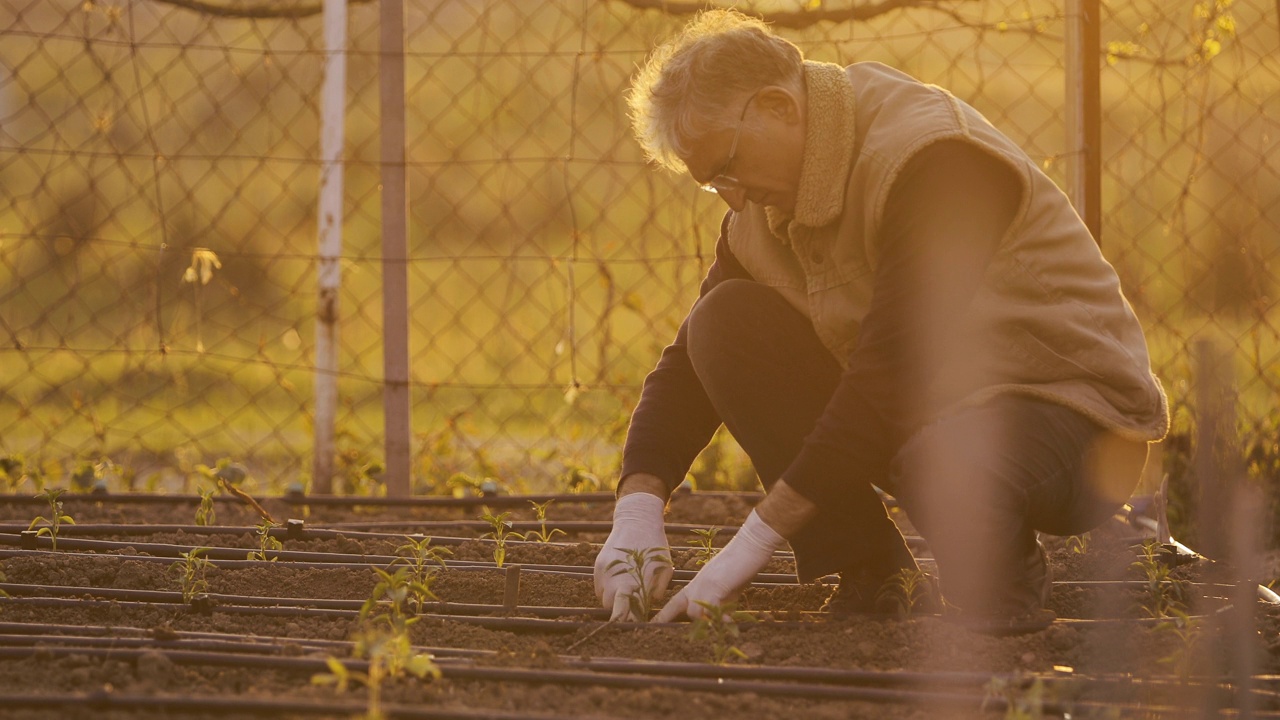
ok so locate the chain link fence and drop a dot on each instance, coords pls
(159, 173)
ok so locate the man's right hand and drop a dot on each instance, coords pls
(637, 525)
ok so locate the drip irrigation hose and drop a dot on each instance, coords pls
(229, 557)
(550, 620)
(633, 679)
(490, 623)
(16, 590)
(203, 705)
(30, 634)
(350, 531)
(416, 501)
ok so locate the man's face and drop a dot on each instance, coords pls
(763, 167)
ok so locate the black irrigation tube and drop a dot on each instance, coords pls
(546, 620)
(417, 501)
(634, 679)
(239, 706)
(230, 557)
(220, 600)
(769, 579)
(29, 634)
(491, 623)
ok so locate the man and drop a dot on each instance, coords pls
(900, 299)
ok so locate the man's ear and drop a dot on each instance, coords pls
(780, 103)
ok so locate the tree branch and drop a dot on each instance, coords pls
(259, 10)
(804, 18)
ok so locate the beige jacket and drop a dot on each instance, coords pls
(1049, 319)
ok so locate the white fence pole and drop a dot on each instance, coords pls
(333, 100)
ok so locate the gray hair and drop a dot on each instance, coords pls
(684, 89)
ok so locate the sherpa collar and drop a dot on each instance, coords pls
(828, 150)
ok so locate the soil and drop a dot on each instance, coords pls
(1103, 657)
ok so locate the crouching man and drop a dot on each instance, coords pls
(900, 299)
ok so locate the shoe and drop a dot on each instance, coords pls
(1020, 611)
(862, 589)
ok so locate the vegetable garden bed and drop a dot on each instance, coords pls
(104, 625)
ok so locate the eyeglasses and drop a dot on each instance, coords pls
(723, 182)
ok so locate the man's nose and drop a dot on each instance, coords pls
(735, 198)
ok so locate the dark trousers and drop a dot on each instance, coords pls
(977, 483)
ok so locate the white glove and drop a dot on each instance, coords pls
(731, 570)
(637, 525)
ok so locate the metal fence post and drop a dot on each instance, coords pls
(395, 280)
(1084, 111)
(333, 100)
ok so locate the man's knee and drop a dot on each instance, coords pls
(724, 314)
(730, 322)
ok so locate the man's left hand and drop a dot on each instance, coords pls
(731, 570)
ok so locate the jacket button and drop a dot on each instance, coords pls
(816, 257)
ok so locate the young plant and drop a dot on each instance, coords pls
(1186, 630)
(394, 594)
(500, 534)
(419, 554)
(56, 516)
(637, 563)
(389, 654)
(705, 543)
(420, 560)
(1165, 594)
(1078, 544)
(189, 573)
(1023, 700)
(266, 543)
(542, 535)
(205, 514)
(719, 626)
(905, 590)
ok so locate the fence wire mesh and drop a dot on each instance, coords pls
(159, 168)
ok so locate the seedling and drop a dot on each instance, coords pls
(266, 543)
(1023, 700)
(705, 543)
(542, 535)
(56, 516)
(189, 573)
(420, 559)
(905, 590)
(390, 655)
(1187, 631)
(719, 626)
(419, 554)
(205, 514)
(1078, 544)
(638, 564)
(1165, 594)
(500, 534)
(393, 594)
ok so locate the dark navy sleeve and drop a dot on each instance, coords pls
(674, 419)
(945, 216)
